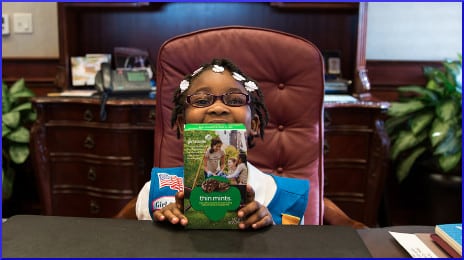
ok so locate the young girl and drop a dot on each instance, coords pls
(214, 159)
(231, 166)
(218, 92)
(240, 174)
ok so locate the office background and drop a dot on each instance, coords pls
(395, 31)
(400, 38)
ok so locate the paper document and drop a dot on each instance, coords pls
(413, 245)
(339, 98)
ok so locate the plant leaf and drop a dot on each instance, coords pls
(24, 106)
(18, 86)
(398, 109)
(7, 182)
(450, 145)
(24, 93)
(454, 71)
(432, 85)
(406, 140)
(11, 119)
(447, 110)
(19, 153)
(438, 131)
(31, 116)
(423, 93)
(404, 167)
(5, 101)
(449, 162)
(5, 130)
(20, 135)
(395, 122)
(429, 71)
(419, 122)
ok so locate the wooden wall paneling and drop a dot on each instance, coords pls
(98, 28)
(361, 80)
(39, 73)
(386, 76)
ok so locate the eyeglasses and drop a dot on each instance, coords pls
(234, 99)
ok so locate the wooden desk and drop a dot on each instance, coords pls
(382, 245)
(356, 157)
(51, 236)
(88, 167)
(91, 168)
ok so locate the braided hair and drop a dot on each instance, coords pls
(257, 105)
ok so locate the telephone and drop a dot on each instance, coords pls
(122, 81)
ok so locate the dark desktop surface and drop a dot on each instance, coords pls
(53, 236)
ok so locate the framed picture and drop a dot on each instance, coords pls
(332, 61)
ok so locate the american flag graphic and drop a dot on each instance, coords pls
(172, 181)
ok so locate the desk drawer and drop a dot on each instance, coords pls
(144, 116)
(347, 145)
(81, 204)
(96, 176)
(82, 140)
(355, 117)
(345, 179)
(86, 113)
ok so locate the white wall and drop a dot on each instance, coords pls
(395, 31)
(43, 42)
(414, 31)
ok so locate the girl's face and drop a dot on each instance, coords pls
(230, 164)
(217, 84)
(217, 147)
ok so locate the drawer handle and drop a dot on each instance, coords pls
(152, 116)
(92, 174)
(94, 207)
(89, 143)
(88, 115)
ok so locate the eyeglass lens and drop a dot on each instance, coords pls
(230, 99)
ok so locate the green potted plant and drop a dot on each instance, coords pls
(425, 130)
(17, 114)
(426, 124)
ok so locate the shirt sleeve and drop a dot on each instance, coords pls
(141, 208)
(290, 199)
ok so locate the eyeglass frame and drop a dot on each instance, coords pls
(221, 97)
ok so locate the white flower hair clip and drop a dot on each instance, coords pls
(217, 68)
(237, 76)
(184, 84)
(250, 86)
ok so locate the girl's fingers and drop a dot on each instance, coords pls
(171, 213)
(250, 194)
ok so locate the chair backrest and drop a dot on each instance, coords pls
(289, 70)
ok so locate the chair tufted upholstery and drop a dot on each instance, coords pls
(289, 70)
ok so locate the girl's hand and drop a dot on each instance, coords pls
(173, 212)
(254, 214)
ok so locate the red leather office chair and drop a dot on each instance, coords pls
(289, 70)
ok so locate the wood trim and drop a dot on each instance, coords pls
(40, 74)
(361, 80)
